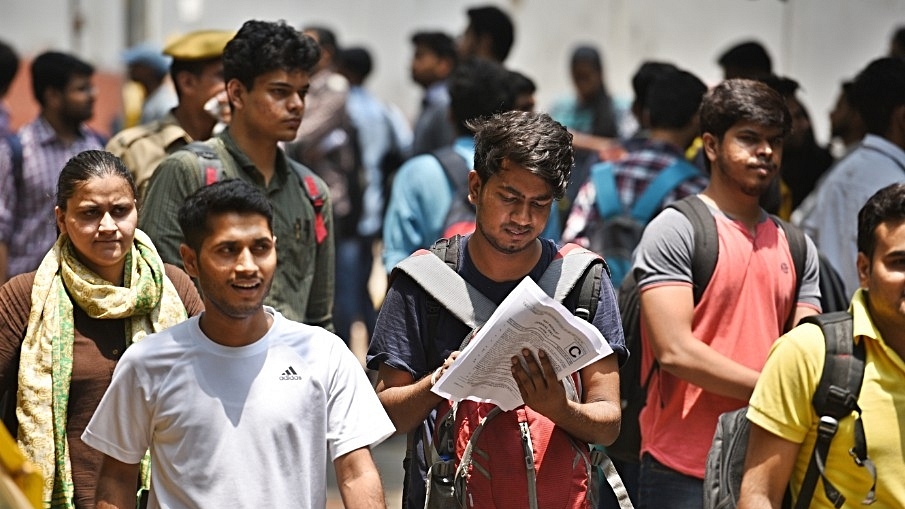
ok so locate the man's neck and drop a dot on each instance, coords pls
(737, 205)
(673, 137)
(262, 152)
(65, 129)
(235, 332)
(498, 266)
(197, 123)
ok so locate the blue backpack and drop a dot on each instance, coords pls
(618, 233)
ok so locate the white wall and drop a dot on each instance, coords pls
(817, 42)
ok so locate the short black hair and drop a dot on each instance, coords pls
(742, 100)
(9, 66)
(673, 99)
(493, 22)
(887, 204)
(784, 85)
(532, 140)
(261, 47)
(439, 43)
(326, 37)
(644, 76)
(54, 70)
(225, 196)
(877, 91)
(356, 60)
(478, 88)
(750, 57)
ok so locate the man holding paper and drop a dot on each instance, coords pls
(522, 163)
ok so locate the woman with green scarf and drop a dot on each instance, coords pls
(63, 327)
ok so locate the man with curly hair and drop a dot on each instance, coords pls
(266, 68)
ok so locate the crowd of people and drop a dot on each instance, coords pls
(177, 301)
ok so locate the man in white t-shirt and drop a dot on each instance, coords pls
(239, 406)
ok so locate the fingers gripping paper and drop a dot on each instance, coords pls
(527, 318)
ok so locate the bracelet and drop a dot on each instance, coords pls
(435, 375)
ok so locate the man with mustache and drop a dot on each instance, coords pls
(30, 160)
(266, 67)
(706, 356)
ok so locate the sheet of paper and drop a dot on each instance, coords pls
(527, 318)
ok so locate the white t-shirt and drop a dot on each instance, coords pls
(238, 427)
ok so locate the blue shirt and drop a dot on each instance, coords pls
(419, 202)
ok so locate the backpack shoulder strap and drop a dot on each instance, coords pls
(446, 286)
(706, 241)
(835, 398)
(211, 166)
(607, 199)
(569, 269)
(15, 150)
(317, 192)
(455, 167)
(668, 179)
(798, 248)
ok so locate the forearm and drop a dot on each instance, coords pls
(595, 423)
(363, 492)
(116, 485)
(699, 364)
(408, 406)
(358, 480)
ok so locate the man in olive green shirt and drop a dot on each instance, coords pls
(266, 70)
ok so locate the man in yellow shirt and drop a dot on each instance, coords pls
(784, 423)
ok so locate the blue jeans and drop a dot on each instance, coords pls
(660, 486)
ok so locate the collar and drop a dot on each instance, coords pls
(242, 160)
(883, 145)
(45, 134)
(862, 323)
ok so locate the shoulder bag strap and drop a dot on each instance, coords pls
(668, 179)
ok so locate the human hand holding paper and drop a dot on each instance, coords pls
(527, 319)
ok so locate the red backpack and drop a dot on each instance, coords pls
(486, 458)
(516, 459)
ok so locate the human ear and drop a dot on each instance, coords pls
(189, 260)
(61, 219)
(863, 265)
(474, 187)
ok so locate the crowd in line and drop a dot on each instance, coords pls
(177, 301)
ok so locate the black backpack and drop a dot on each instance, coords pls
(460, 219)
(632, 388)
(835, 399)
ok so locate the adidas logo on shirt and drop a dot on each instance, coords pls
(290, 374)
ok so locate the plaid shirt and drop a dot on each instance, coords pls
(27, 224)
(633, 174)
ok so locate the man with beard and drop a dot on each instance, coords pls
(30, 161)
(240, 406)
(707, 356)
(522, 162)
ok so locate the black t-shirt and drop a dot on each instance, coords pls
(400, 341)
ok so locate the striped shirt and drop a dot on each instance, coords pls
(27, 224)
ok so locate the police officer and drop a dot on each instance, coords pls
(197, 74)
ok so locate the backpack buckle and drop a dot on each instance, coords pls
(827, 427)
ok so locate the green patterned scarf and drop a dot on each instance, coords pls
(147, 299)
